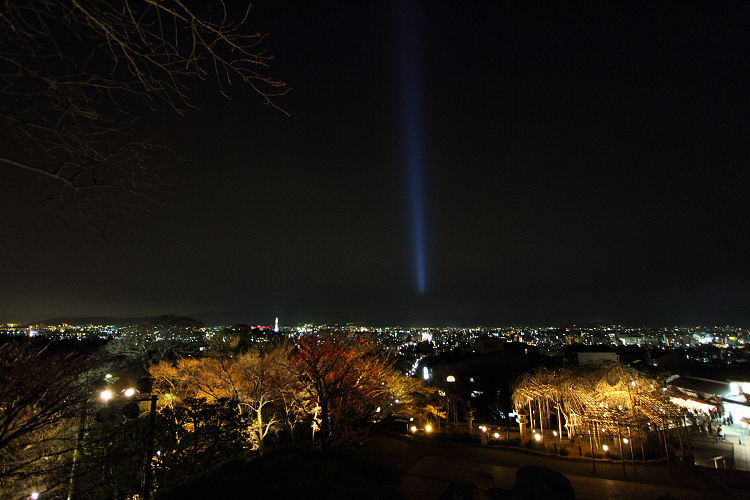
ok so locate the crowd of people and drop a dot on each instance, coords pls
(711, 422)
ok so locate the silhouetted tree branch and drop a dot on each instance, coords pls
(76, 74)
(40, 401)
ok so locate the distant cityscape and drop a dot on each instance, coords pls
(714, 344)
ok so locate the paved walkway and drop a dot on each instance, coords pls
(431, 476)
(740, 437)
(429, 472)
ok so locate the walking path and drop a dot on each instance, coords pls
(739, 436)
(430, 471)
(431, 476)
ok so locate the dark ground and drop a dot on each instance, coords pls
(377, 468)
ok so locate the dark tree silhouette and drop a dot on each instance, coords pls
(41, 399)
(76, 74)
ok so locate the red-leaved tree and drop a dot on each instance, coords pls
(349, 382)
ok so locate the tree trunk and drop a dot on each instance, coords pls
(323, 427)
(261, 447)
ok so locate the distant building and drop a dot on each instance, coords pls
(588, 355)
(484, 381)
(486, 345)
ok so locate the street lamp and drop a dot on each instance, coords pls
(131, 409)
(485, 430)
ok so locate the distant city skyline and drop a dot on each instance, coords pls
(216, 319)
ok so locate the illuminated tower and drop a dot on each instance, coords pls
(276, 326)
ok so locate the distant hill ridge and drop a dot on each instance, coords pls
(208, 318)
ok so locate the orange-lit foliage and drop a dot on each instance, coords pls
(255, 380)
(348, 381)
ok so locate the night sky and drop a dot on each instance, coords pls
(576, 164)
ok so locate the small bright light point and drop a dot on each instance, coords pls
(129, 392)
(428, 428)
(378, 410)
(538, 437)
(450, 378)
(414, 428)
(625, 440)
(497, 435)
(34, 495)
(554, 433)
(411, 419)
(105, 395)
(108, 376)
(605, 448)
(632, 382)
(425, 373)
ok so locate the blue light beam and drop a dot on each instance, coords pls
(411, 112)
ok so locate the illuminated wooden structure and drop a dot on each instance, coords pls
(608, 399)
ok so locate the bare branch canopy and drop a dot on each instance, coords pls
(76, 74)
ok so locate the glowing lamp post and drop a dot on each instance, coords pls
(132, 396)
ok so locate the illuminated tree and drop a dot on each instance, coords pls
(76, 74)
(435, 412)
(601, 400)
(264, 379)
(338, 383)
(253, 380)
(41, 399)
(349, 382)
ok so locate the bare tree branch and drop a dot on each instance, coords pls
(40, 398)
(76, 74)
